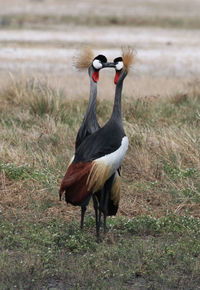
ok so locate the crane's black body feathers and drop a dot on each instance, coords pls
(100, 143)
(85, 131)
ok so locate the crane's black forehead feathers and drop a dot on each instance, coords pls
(118, 59)
(101, 57)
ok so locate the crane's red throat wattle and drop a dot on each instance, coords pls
(95, 76)
(116, 77)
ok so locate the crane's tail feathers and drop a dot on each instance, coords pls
(114, 196)
(84, 58)
(128, 56)
(115, 189)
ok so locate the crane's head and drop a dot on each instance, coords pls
(118, 68)
(86, 59)
(98, 63)
(122, 64)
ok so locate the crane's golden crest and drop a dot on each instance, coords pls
(128, 55)
(84, 58)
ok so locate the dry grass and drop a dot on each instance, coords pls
(38, 129)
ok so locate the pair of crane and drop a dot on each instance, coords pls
(94, 170)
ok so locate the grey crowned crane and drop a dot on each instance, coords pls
(110, 197)
(99, 156)
(89, 124)
(94, 64)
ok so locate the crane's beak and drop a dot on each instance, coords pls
(108, 64)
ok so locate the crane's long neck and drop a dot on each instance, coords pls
(117, 112)
(89, 124)
(90, 115)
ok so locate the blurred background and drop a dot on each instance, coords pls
(40, 38)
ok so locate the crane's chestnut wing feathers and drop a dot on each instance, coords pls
(74, 183)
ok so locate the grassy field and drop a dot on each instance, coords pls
(153, 243)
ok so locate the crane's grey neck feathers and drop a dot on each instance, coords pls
(117, 112)
(90, 115)
(89, 124)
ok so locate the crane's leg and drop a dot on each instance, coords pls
(105, 210)
(83, 209)
(99, 200)
(101, 203)
(96, 208)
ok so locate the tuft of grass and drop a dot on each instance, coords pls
(25, 172)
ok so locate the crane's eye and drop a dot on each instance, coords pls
(97, 64)
(119, 65)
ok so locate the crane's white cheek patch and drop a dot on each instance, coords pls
(97, 64)
(105, 166)
(119, 65)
